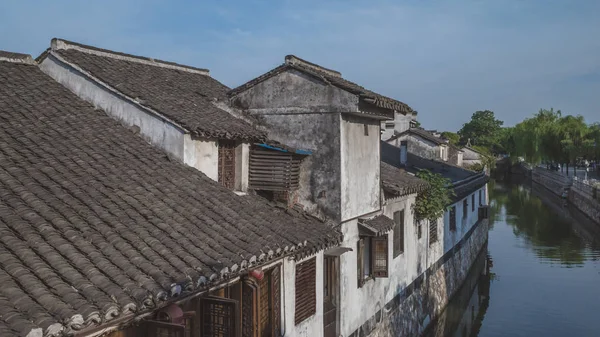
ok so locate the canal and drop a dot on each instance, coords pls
(540, 275)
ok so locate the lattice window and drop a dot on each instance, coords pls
(453, 218)
(226, 165)
(372, 258)
(433, 232)
(276, 301)
(219, 317)
(398, 233)
(380, 256)
(306, 297)
(249, 308)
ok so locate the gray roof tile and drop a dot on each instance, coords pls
(95, 223)
(183, 94)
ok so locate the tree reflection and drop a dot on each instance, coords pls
(550, 236)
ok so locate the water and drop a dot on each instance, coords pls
(541, 275)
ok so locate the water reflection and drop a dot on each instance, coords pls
(545, 272)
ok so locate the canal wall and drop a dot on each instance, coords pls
(422, 301)
(584, 197)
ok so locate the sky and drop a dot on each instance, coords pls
(444, 58)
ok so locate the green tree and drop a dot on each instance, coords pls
(573, 137)
(453, 138)
(483, 130)
(433, 202)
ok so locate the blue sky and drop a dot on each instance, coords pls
(445, 59)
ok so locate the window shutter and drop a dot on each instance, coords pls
(473, 203)
(359, 262)
(276, 298)
(453, 218)
(219, 317)
(249, 309)
(306, 296)
(379, 253)
(433, 232)
(226, 163)
(398, 233)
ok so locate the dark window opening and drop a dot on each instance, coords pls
(453, 218)
(398, 233)
(366, 129)
(465, 208)
(433, 232)
(473, 203)
(306, 295)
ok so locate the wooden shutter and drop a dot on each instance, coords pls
(264, 306)
(272, 170)
(379, 254)
(359, 262)
(226, 166)
(276, 299)
(398, 233)
(306, 296)
(249, 309)
(219, 317)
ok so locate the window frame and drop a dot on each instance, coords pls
(452, 220)
(399, 234)
(433, 228)
(465, 208)
(473, 202)
(373, 242)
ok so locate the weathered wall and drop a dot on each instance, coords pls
(359, 304)
(242, 166)
(455, 156)
(303, 112)
(433, 272)
(312, 326)
(554, 182)
(409, 313)
(157, 131)
(359, 169)
(418, 146)
(400, 124)
(202, 155)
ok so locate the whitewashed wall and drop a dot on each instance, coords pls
(360, 176)
(419, 146)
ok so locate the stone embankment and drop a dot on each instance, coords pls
(582, 195)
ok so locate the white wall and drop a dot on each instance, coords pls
(157, 131)
(202, 155)
(419, 146)
(360, 176)
(357, 305)
(312, 326)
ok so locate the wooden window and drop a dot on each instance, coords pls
(453, 218)
(219, 317)
(380, 256)
(398, 233)
(306, 296)
(164, 329)
(473, 202)
(480, 198)
(433, 231)
(372, 258)
(226, 165)
(465, 208)
(366, 129)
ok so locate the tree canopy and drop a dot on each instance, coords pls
(453, 138)
(482, 130)
(432, 203)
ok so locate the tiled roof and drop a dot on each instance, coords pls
(331, 77)
(378, 225)
(96, 224)
(420, 133)
(183, 94)
(397, 182)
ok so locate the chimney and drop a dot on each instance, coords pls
(403, 152)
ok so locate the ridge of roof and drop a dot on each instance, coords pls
(329, 76)
(61, 44)
(421, 133)
(293, 59)
(7, 56)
